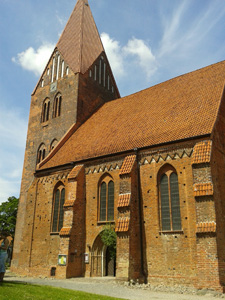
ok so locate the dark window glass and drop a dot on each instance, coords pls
(62, 200)
(59, 108)
(55, 212)
(103, 202)
(165, 205)
(47, 114)
(175, 202)
(111, 201)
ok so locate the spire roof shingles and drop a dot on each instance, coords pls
(80, 43)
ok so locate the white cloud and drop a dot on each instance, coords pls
(114, 53)
(135, 49)
(144, 55)
(34, 60)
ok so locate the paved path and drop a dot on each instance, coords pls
(109, 287)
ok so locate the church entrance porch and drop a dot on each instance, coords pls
(102, 261)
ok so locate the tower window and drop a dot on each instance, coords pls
(53, 69)
(62, 70)
(57, 70)
(45, 110)
(41, 153)
(67, 70)
(57, 106)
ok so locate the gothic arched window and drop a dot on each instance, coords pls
(53, 144)
(169, 200)
(106, 199)
(57, 211)
(45, 110)
(41, 153)
(57, 106)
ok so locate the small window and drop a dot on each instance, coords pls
(106, 200)
(57, 106)
(67, 70)
(95, 74)
(58, 202)
(42, 83)
(45, 110)
(90, 73)
(53, 144)
(41, 153)
(53, 69)
(169, 201)
(57, 70)
(62, 70)
(48, 71)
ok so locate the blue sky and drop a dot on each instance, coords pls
(147, 42)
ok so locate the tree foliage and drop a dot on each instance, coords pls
(8, 213)
(108, 237)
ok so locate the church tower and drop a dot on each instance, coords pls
(77, 81)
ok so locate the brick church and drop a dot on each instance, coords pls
(152, 165)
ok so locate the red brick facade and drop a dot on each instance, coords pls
(190, 254)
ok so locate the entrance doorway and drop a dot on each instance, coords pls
(102, 262)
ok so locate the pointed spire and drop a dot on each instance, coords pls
(80, 43)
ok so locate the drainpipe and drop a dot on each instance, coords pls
(140, 214)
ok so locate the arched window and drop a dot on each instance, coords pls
(53, 144)
(57, 211)
(169, 200)
(57, 106)
(106, 199)
(45, 110)
(41, 153)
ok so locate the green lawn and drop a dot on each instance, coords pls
(19, 291)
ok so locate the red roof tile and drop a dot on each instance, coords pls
(180, 108)
(80, 43)
(206, 227)
(122, 225)
(202, 152)
(124, 200)
(203, 189)
(127, 164)
(65, 231)
(74, 173)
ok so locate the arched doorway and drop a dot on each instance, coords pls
(102, 262)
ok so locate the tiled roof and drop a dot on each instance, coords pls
(74, 173)
(80, 43)
(206, 227)
(122, 225)
(124, 200)
(202, 152)
(65, 231)
(203, 189)
(69, 203)
(180, 108)
(127, 164)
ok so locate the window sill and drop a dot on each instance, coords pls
(171, 232)
(54, 233)
(105, 222)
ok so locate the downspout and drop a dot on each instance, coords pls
(140, 214)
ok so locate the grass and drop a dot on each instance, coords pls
(21, 291)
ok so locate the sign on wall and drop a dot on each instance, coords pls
(62, 259)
